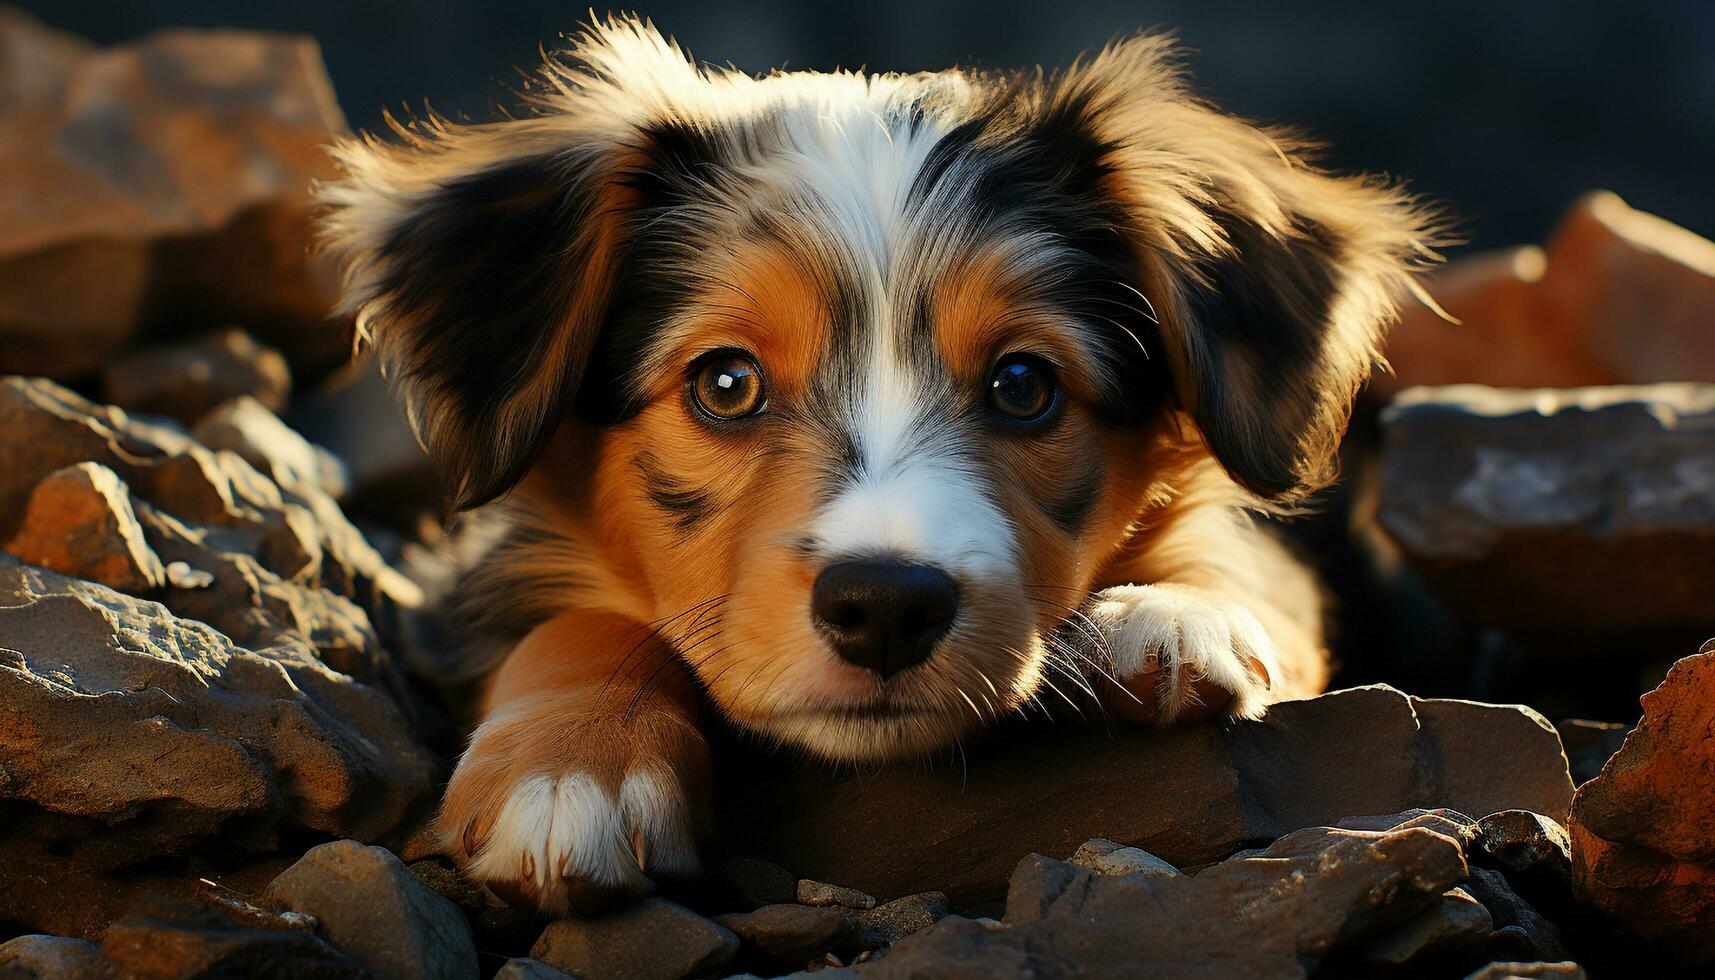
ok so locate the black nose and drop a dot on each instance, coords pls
(884, 615)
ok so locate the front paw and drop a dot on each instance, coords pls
(576, 818)
(1179, 653)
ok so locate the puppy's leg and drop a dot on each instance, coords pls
(1211, 616)
(588, 773)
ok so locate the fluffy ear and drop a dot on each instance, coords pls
(1274, 282)
(478, 261)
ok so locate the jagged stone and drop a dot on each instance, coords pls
(131, 734)
(187, 381)
(250, 428)
(80, 521)
(1275, 915)
(169, 196)
(1643, 843)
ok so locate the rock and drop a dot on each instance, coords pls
(80, 522)
(792, 933)
(757, 882)
(376, 911)
(821, 893)
(1527, 846)
(1190, 795)
(1518, 924)
(1516, 506)
(249, 428)
(1275, 915)
(652, 940)
(1570, 315)
(1105, 857)
(1453, 921)
(296, 533)
(167, 942)
(158, 187)
(496, 924)
(1643, 844)
(129, 734)
(52, 958)
(524, 968)
(1566, 970)
(187, 381)
(1589, 745)
(887, 924)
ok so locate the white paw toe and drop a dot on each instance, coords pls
(1177, 635)
(557, 831)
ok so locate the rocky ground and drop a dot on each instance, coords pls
(223, 721)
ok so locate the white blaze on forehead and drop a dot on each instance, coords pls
(913, 494)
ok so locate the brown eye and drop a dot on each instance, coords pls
(728, 385)
(1022, 388)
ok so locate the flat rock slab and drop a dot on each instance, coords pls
(1519, 505)
(1190, 796)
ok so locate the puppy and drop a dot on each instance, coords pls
(857, 409)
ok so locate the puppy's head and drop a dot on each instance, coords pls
(851, 385)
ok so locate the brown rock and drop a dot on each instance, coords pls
(1107, 858)
(1643, 843)
(298, 533)
(652, 940)
(186, 381)
(1190, 795)
(887, 924)
(51, 957)
(821, 893)
(792, 933)
(161, 186)
(248, 427)
(1572, 315)
(1453, 921)
(1275, 915)
(1527, 845)
(368, 904)
(161, 941)
(80, 522)
(127, 733)
(1516, 506)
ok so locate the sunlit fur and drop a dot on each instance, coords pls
(538, 289)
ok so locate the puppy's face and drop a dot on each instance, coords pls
(850, 386)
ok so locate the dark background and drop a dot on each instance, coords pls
(1505, 110)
